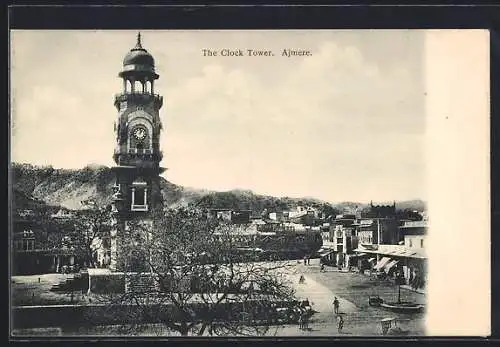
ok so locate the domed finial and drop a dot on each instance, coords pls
(138, 45)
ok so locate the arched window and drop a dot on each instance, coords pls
(138, 86)
(128, 86)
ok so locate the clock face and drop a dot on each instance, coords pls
(139, 133)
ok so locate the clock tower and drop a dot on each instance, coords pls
(137, 150)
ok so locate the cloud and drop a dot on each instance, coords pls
(332, 109)
(286, 126)
(54, 120)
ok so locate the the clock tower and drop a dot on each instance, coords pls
(137, 151)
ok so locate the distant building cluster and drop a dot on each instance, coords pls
(281, 234)
(37, 249)
(378, 240)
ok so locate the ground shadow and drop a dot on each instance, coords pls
(309, 329)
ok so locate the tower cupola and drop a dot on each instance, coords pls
(138, 64)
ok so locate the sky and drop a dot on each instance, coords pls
(344, 124)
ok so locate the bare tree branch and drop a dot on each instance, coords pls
(196, 280)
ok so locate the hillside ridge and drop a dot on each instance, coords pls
(69, 187)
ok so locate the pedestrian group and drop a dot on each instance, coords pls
(304, 316)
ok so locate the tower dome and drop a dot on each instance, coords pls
(138, 60)
(138, 55)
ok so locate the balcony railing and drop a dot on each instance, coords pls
(138, 96)
(415, 224)
(118, 150)
(140, 151)
(135, 152)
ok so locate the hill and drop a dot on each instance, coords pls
(67, 188)
(416, 204)
(24, 201)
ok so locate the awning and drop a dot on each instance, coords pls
(361, 250)
(390, 265)
(325, 254)
(325, 250)
(356, 255)
(381, 263)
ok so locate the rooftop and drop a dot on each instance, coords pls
(415, 224)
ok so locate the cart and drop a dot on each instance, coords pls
(388, 323)
(390, 327)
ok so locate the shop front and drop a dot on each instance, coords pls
(397, 260)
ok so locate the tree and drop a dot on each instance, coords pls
(184, 272)
(85, 232)
(92, 228)
(328, 210)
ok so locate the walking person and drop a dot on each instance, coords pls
(305, 320)
(301, 321)
(340, 323)
(336, 305)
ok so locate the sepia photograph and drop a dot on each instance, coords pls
(220, 183)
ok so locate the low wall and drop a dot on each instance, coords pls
(102, 281)
(24, 317)
(79, 316)
(106, 282)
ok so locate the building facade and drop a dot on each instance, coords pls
(373, 231)
(137, 152)
(415, 234)
(342, 231)
(339, 241)
(408, 257)
(36, 249)
(380, 211)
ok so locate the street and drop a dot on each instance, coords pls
(351, 289)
